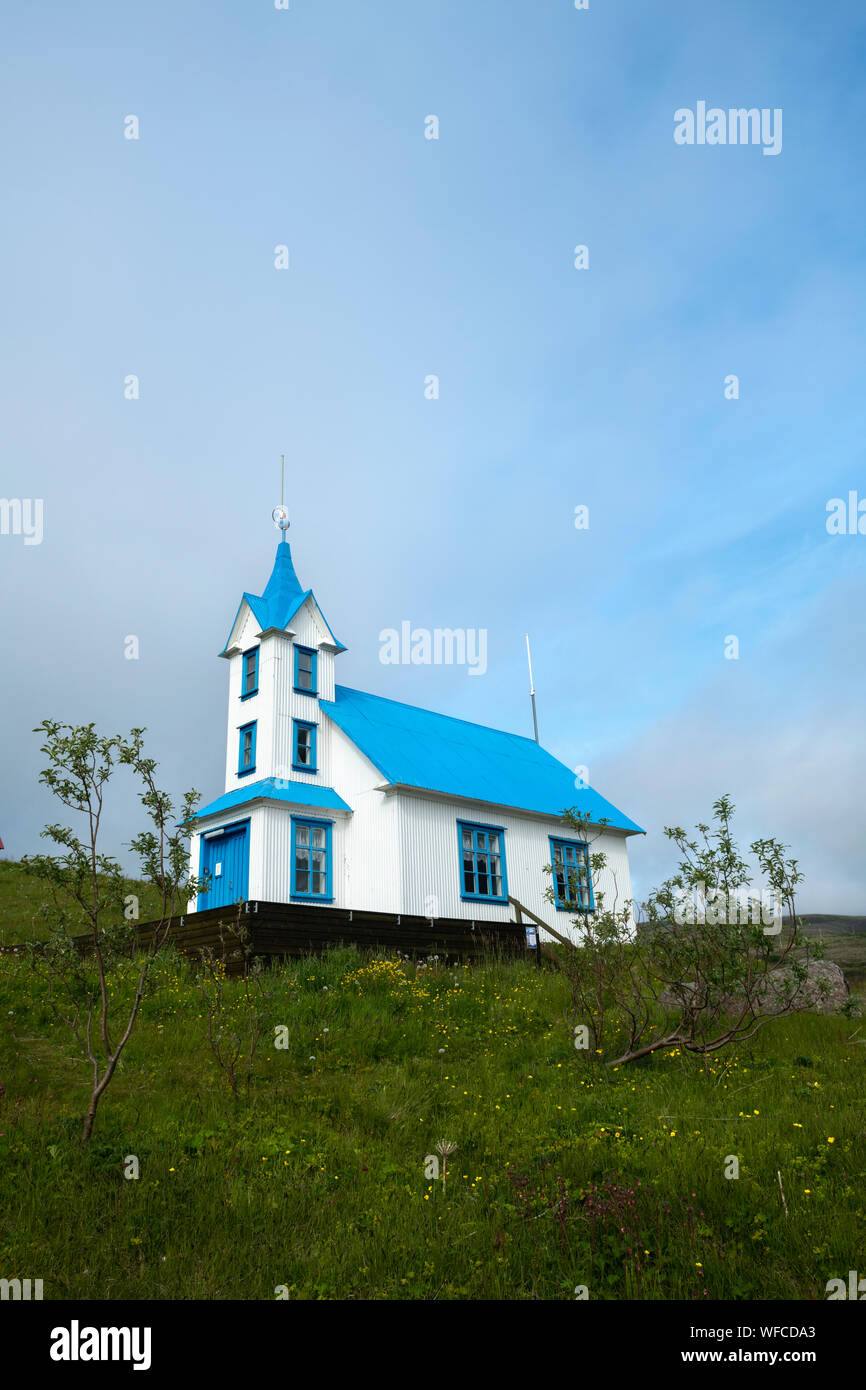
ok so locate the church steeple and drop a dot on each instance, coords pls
(283, 597)
(283, 593)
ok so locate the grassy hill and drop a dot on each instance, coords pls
(21, 895)
(565, 1172)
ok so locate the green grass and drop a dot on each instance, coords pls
(21, 895)
(316, 1181)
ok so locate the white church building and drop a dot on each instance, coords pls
(338, 798)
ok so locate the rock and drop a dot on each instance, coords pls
(824, 991)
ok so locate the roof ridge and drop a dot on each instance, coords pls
(455, 718)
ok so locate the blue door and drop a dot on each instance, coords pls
(225, 855)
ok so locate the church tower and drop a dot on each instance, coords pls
(281, 664)
(270, 836)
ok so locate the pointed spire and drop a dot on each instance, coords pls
(281, 599)
(283, 591)
(283, 595)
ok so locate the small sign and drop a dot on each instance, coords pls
(217, 872)
(532, 937)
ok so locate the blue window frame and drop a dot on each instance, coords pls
(306, 672)
(303, 746)
(247, 749)
(483, 876)
(312, 874)
(250, 673)
(572, 879)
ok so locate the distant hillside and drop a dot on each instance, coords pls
(817, 923)
(843, 940)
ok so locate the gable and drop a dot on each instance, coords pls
(282, 599)
(309, 628)
(245, 629)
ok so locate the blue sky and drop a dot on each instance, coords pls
(558, 387)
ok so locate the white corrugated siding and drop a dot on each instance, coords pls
(431, 861)
(276, 841)
(370, 845)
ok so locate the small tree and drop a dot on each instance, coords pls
(707, 957)
(88, 889)
(712, 950)
(234, 1027)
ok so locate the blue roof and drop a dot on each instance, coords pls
(276, 789)
(283, 596)
(417, 748)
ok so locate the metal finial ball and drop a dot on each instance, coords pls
(281, 518)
